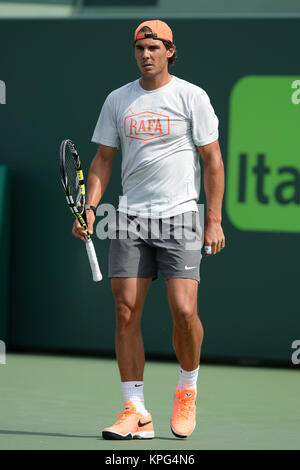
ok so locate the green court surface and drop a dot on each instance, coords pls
(62, 402)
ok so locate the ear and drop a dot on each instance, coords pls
(170, 52)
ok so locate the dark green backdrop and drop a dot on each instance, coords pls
(57, 74)
(4, 250)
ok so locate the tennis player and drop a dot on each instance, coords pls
(163, 124)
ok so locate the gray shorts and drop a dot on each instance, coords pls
(141, 247)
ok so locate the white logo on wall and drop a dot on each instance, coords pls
(296, 95)
(2, 353)
(2, 92)
(296, 354)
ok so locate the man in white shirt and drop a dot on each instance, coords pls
(163, 124)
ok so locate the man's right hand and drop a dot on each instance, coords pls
(77, 230)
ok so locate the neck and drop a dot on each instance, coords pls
(151, 83)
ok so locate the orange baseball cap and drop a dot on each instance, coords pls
(160, 30)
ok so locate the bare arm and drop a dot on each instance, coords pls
(98, 179)
(99, 174)
(214, 182)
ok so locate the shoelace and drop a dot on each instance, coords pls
(122, 415)
(185, 404)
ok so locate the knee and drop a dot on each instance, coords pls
(125, 316)
(185, 317)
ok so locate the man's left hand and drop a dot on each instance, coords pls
(213, 237)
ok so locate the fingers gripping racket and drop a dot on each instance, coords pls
(73, 184)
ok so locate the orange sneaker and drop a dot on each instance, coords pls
(183, 419)
(130, 425)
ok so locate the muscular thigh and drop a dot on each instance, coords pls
(182, 296)
(130, 294)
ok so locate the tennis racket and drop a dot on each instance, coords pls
(73, 184)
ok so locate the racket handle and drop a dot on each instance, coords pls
(97, 276)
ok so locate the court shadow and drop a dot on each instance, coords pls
(167, 438)
(54, 434)
(50, 434)
(155, 438)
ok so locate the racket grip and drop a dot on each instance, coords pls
(90, 249)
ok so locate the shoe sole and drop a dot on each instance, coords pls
(181, 435)
(178, 435)
(109, 435)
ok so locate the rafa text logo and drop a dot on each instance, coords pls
(146, 126)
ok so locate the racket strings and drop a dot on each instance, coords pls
(73, 181)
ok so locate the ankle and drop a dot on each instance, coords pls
(188, 379)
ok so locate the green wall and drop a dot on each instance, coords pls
(57, 74)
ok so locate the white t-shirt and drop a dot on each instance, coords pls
(158, 131)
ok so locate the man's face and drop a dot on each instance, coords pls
(151, 56)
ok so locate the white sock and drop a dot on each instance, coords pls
(188, 378)
(134, 392)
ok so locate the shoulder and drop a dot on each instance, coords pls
(114, 95)
(190, 89)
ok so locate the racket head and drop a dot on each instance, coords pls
(73, 181)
